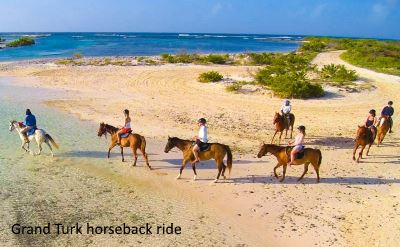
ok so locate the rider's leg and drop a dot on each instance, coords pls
(293, 155)
(24, 133)
(196, 150)
(119, 137)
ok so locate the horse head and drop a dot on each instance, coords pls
(170, 144)
(277, 117)
(102, 130)
(263, 150)
(11, 126)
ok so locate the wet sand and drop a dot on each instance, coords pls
(354, 205)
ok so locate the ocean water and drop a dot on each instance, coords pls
(51, 45)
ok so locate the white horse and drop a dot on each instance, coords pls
(40, 136)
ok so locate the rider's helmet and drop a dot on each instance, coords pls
(126, 111)
(28, 112)
(372, 112)
(390, 102)
(301, 128)
(286, 102)
(202, 121)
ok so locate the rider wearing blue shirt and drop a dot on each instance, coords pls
(30, 123)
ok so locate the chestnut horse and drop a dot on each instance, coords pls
(134, 141)
(280, 126)
(383, 128)
(311, 156)
(216, 151)
(364, 137)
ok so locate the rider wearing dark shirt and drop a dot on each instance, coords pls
(30, 123)
(388, 112)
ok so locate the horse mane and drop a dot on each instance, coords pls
(112, 128)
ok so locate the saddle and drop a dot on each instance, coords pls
(203, 146)
(298, 155)
(125, 135)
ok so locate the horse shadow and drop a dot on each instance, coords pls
(335, 142)
(259, 179)
(210, 164)
(96, 154)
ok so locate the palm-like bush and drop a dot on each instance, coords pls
(338, 73)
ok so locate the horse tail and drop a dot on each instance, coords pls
(229, 158)
(320, 157)
(48, 137)
(142, 144)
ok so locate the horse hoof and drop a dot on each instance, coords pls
(215, 181)
(194, 178)
(224, 177)
(178, 177)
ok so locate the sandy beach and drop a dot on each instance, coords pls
(353, 205)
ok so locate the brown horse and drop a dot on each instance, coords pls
(216, 151)
(383, 128)
(364, 137)
(134, 141)
(282, 154)
(280, 126)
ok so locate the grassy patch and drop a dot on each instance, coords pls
(23, 41)
(195, 58)
(233, 88)
(210, 76)
(379, 55)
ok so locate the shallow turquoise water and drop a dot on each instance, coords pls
(50, 45)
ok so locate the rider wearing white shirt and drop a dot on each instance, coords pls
(285, 110)
(201, 139)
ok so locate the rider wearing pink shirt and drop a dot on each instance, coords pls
(298, 143)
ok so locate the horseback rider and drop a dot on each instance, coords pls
(201, 140)
(371, 121)
(387, 112)
(126, 128)
(298, 143)
(286, 108)
(30, 123)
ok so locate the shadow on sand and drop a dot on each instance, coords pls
(98, 154)
(336, 142)
(313, 180)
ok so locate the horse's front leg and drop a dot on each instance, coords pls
(369, 146)
(291, 132)
(113, 144)
(276, 167)
(184, 162)
(280, 137)
(360, 154)
(355, 150)
(286, 130)
(272, 141)
(284, 173)
(194, 170)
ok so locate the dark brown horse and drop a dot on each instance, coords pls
(311, 156)
(364, 137)
(280, 125)
(383, 128)
(216, 151)
(134, 141)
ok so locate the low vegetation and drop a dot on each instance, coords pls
(338, 74)
(379, 55)
(234, 87)
(197, 59)
(77, 55)
(210, 76)
(23, 41)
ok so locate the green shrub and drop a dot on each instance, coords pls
(262, 58)
(217, 59)
(211, 76)
(313, 45)
(338, 73)
(23, 41)
(233, 87)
